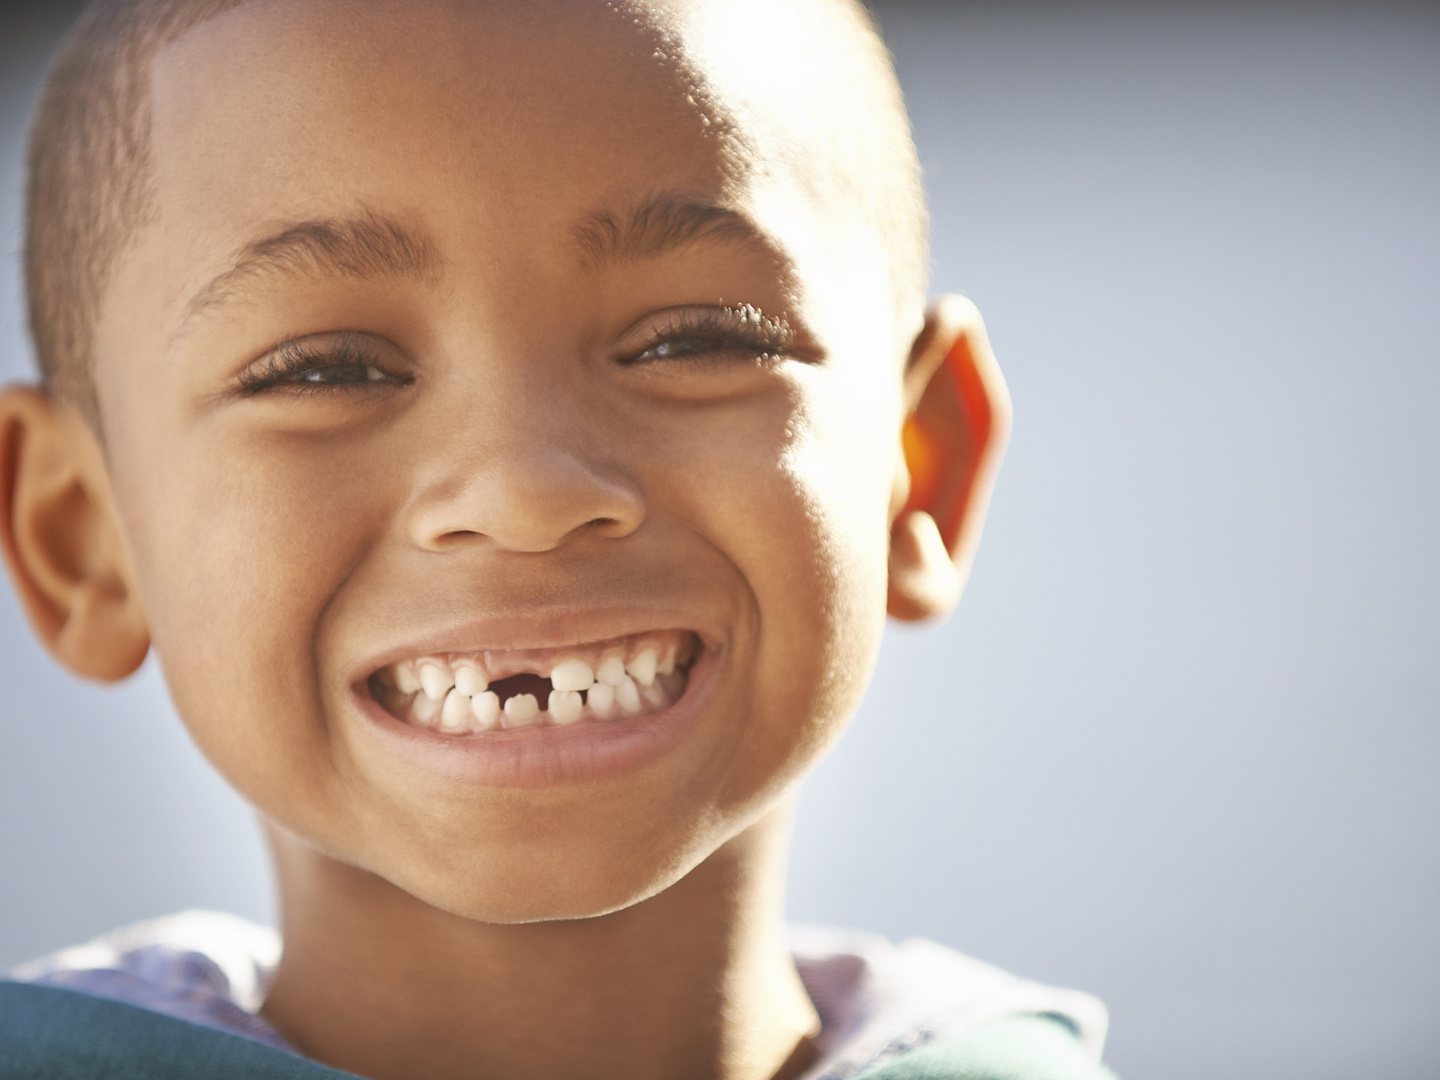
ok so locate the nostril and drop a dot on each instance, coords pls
(456, 536)
(603, 524)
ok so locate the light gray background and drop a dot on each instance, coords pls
(1180, 746)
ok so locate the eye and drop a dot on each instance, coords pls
(341, 374)
(333, 363)
(681, 346)
(695, 335)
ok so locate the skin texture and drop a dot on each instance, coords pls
(518, 464)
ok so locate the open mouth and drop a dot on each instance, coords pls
(472, 693)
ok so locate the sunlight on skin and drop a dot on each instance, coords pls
(323, 470)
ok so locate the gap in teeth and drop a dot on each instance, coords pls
(460, 694)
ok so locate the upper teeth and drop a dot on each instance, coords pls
(406, 680)
(572, 675)
(643, 667)
(469, 679)
(454, 694)
(436, 678)
(611, 671)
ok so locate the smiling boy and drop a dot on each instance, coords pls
(491, 414)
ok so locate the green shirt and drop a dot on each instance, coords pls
(53, 1034)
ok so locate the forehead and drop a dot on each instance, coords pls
(495, 121)
(273, 106)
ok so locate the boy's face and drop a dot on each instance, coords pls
(487, 377)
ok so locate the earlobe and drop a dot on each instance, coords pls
(61, 539)
(956, 428)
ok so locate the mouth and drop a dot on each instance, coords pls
(471, 695)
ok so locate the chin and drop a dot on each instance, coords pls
(543, 880)
(530, 897)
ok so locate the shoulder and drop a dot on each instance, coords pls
(925, 1010)
(52, 1033)
(204, 967)
(1030, 1047)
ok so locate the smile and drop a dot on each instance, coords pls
(466, 694)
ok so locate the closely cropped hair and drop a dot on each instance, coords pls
(90, 184)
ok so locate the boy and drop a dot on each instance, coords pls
(491, 412)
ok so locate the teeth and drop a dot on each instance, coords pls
(406, 681)
(654, 695)
(520, 710)
(436, 678)
(485, 708)
(469, 679)
(450, 692)
(565, 706)
(642, 668)
(627, 695)
(455, 714)
(611, 671)
(601, 700)
(572, 675)
(427, 708)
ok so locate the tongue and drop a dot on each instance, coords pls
(523, 684)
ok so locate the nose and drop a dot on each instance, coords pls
(525, 487)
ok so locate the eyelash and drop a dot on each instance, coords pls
(713, 330)
(292, 359)
(716, 330)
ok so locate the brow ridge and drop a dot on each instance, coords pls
(366, 245)
(655, 225)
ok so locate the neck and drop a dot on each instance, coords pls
(694, 982)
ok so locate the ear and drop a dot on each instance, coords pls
(62, 541)
(956, 426)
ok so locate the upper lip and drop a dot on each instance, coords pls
(552, 628)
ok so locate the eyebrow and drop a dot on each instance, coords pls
(371, 245)
(656, 225)
(363, 246)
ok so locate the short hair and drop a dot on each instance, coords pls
(90, 185)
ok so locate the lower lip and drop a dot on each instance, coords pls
(545, 756)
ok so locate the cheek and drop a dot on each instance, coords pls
(840, 464)
(797, 499)
(238, 548)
